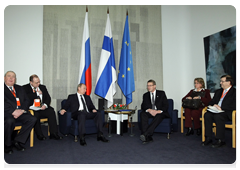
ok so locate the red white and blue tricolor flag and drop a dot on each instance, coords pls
(85, 73)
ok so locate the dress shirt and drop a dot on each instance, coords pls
(9, 87)
(221, 99)
(11, 90)
(80, 102)
(154, 94)
(40, 95)
(199, 90)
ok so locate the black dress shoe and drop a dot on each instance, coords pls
(83, 142)
(189, 132)
(150, 139)
(41, 137)
(18, 146)
(146, 138)
(218, 144)
(55, 136)
(143, 138)
(199, 132)
(207, 141)
(8, 149)
(102, 138)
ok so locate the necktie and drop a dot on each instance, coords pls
(153, 102)
(34, 89)
(84, 105)
(221, 99)
(12, 91)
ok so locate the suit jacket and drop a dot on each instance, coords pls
(33, 95)
(10, 104)
(229, 101)
(161, 102)
(72, 103)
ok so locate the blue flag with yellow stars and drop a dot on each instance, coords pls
(125, 73)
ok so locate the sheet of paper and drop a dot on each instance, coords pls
(213, 109)
(34, 108)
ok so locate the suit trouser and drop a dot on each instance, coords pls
(27, 121)
(148, 129)
(195, 114)
(52, 122)
(219, 119)
(82, 116)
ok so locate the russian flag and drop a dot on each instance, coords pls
(85, 73)
(106, 77)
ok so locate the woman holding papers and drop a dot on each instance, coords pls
(198, 93)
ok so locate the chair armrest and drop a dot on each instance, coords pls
(32, 112)
(65, 122)
(204, 110)
(65, 118)
(175, 120)
(182, 109)
(103, 115)
(139, 120)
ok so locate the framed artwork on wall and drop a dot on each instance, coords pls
(220, 57)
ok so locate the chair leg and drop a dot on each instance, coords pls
(214, 130)
(48, 131)
(203, 131)
(168, 136)
(234, 137)
(181, 125)
(31, 137)
(75, 139)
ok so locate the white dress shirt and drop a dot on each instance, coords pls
(154, 94)
(221, 99)
(80, 102)
(40, 95)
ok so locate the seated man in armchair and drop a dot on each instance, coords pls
(155, 104)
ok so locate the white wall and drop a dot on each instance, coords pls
(183, 30)
(23, 28)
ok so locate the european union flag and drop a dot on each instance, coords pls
(125, 74)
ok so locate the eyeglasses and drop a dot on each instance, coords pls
(150, 85)
(222, 81)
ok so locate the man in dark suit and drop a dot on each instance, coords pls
(34, 91)
(154, 105)
(15, 110)
(223, 99)
(82, 108)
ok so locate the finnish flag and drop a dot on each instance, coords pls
(106, 77)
